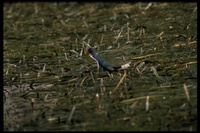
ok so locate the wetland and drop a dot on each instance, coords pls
(50, 84)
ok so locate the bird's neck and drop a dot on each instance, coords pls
(96, 57)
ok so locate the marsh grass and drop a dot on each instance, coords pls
(50, 84)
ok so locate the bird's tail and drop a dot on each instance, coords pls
(122, 67)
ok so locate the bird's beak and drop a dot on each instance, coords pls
(86, 51)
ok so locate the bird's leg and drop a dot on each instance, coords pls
(119, 74)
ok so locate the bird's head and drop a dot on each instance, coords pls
(90, 50)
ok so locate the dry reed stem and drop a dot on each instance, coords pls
(139, 66)
(119, 34)
(45, 98)
(72, 80)
(81, 53)
(138, 98)
(97, 97)
(121, 80)
(92, 77)
(84, 37)
(43, 70)
(147, 103)
(85, 23)
(73, 51)
(24, 58)
(83, 80)
(183, 44)
(128, 29)
(66, 58)
(189, 63)
(101, 86)
(156, 73)
(140, 57)
(101, 40)
(70, 115)
(186, 92)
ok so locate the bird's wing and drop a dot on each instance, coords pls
(106, 65)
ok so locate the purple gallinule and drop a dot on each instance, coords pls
(104, 64)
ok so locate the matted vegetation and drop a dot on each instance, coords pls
(50, 84)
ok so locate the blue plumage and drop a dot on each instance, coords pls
(104, 64)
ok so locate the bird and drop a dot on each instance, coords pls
(105, 64)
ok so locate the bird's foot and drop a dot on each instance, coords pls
(110, 75)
